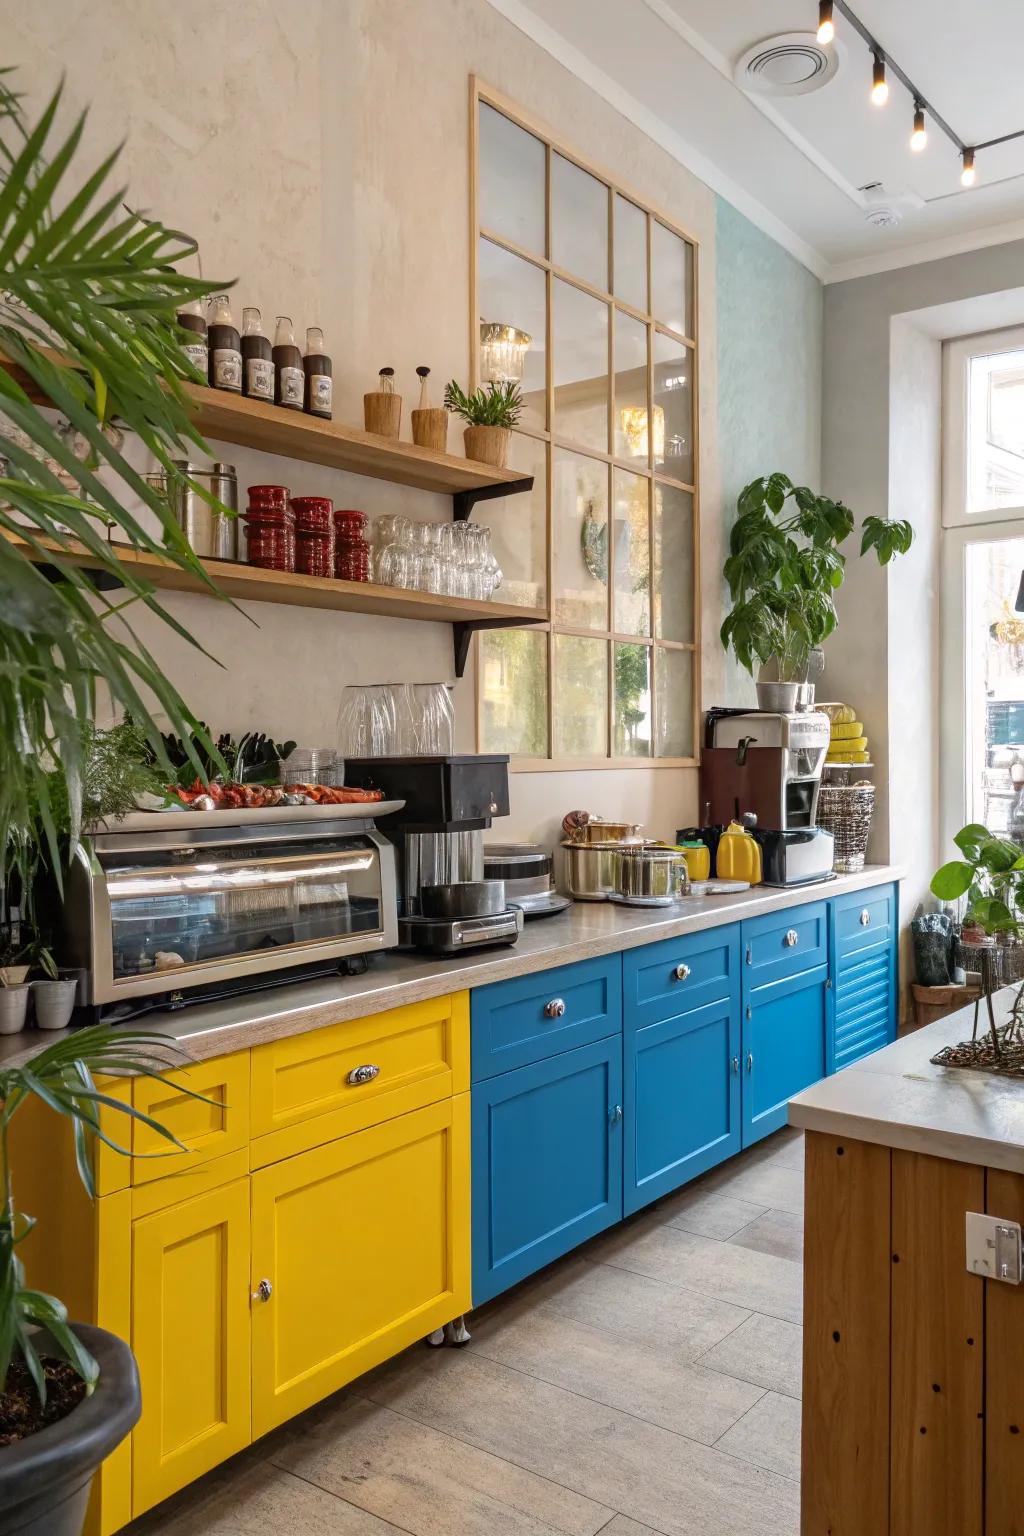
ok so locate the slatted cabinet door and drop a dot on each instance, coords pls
(190, 1333)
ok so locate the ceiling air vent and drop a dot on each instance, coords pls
(788, 65)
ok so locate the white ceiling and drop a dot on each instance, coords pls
(796, 164)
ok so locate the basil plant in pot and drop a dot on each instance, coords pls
(784, 568)
(69, 1392)
(490, 413)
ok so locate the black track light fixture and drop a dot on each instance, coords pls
(879, 84)
(826, 24)
(967, 174)
(919, 137)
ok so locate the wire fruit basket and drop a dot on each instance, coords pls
(846, 810)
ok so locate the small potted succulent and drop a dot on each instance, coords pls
(490, 414)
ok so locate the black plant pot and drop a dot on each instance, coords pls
(45, 1479)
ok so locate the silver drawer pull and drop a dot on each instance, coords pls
(615, 1114)
(682, 972)
(865, 918)
(554, 1009)
(791, 939)
(263, 1291)
(750, 1061)
(735, 1066)
(364, 1074)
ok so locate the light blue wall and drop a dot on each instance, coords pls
(769, 336)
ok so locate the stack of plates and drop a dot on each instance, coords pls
(527, 871)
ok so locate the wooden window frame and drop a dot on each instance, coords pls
(480, 93)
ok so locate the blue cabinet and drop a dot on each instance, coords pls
(785, 1012)
(547, 1161)
(681, 1061)
(516, 1022)
(863, 933)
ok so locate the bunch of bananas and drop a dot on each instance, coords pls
(847, 743)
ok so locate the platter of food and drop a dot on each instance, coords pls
(227, 805)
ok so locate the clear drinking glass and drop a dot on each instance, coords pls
(389, 534)
(435, 719)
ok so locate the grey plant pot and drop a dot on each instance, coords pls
(13, 1008)
(45, 1480)
(55, 1003)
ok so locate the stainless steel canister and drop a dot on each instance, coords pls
(212, 535)
(652, 874)
(591, 870)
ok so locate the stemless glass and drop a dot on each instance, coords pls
(389, 535)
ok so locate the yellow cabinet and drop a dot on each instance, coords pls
(362, 1247)
(190, 1333)
(210, 1127)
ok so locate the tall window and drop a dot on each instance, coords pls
(983, 561)
(587, 297)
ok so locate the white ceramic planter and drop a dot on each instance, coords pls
(55, 1002)
(13, 1008)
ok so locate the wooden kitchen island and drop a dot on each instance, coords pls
(913, 1380)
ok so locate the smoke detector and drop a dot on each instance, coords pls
(790, 64)
(885, 209)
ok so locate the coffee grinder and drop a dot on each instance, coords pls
(439, 839)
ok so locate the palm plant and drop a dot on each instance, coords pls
(63, 1077)
(89, 294)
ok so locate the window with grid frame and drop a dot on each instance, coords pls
(604, 288)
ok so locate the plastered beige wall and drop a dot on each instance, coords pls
(319, 152)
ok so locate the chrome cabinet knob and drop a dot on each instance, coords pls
(681, 972)
(750, 1061)
(865, 918)
(554, 1009)
(615, 1114)
(735, 1066)
(792, 938)
(263, 1291)
(363, 1074)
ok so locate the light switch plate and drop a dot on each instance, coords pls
(994, 1248)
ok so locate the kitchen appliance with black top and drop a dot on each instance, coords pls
(450, 802)
(765, 765)
(167, 909)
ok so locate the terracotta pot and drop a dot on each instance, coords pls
(488, 445)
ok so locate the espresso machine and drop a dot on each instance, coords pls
(439, 841)
(766, 767)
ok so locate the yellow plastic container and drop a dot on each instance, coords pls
(698, 860)
(739, 855)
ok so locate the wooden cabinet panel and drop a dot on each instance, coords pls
(938, 1352)
(682, 1099)
(1004, 1376)
(364, 1244)
(190, 1334)
(547, 1162)
(210, 1127)
(308, 1089)
(845, 1445)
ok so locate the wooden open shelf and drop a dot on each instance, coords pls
(248, 583)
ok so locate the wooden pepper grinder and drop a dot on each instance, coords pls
(429, 423)
(382, 408)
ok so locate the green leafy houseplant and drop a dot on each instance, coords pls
(89, 294)
(785, 567)
(492, 405)
(63, 1077)
(990, 875)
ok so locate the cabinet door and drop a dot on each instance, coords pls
(364, 1248)
(524, 1020)
(682, 1104)
(190, 1333)
(547, 1162)
(863, 933)
(783, 1039)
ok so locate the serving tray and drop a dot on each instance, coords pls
(177, 818)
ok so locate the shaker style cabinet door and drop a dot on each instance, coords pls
(682, 1104)
(359, 1248)
(547, 1162)
(783, 1048)
(190, 1334)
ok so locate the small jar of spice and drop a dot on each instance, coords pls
(314, 535)
(351, 550)
(270, 528)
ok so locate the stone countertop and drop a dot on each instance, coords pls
(585, 931)
(898, 1098)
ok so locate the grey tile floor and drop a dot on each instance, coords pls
(647, 1385)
